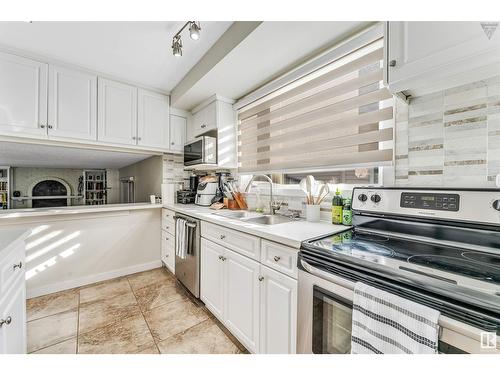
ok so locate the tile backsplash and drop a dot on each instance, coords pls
(450, 138)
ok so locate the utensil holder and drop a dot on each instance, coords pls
(312, 212)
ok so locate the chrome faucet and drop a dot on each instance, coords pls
(273, 206)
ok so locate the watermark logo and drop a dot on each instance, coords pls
(488, 340)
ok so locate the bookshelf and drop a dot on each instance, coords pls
(94, 187)
(4, 188)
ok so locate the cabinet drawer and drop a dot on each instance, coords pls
(167, 220)
(11, 268)
(279, 257)
(242, 243)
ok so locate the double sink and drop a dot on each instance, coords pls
(254, 217)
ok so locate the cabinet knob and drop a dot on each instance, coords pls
(19, 265)
(42, 126)
(167, 255)
(172, 143)
(277, 258)
(49, 126)
(220, 257)
(133, 138)
(203, 126)
(261, 278)
(224, 259)
(7, 321)
(139, 138)
(222, 236)
(392, 63)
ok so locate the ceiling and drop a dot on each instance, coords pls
(33, 155)
(138, 52)
(269, 51)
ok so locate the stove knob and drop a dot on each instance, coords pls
(362, 197)
(375, 198)
(496, 205)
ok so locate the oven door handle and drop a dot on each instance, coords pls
(326, 276)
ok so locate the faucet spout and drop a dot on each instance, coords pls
(271, 200)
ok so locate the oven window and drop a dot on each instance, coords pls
(332, 321)
(193, 152)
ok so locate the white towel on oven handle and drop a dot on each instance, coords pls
(385, 323)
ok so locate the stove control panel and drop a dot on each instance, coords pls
(430, 201)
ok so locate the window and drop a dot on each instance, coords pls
(338, 117)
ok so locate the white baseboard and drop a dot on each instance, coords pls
(57, 287)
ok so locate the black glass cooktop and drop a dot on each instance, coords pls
(380, 249)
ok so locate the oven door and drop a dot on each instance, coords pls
(325, 314)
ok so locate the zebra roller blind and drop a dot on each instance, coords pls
(334, 117)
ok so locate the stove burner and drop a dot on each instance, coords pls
(371, 237)
(460, 266)
(491, 259)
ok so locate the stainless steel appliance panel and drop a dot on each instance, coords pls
(187, 270)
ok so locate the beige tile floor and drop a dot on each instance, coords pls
(144, 313)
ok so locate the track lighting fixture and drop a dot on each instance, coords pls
(194, 33)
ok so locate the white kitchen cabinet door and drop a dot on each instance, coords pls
(421, 54)
(212, 276)
(72, 104)
(168, 250)
(13, 313)
(117, 112)
(278, 314)
(177, 133)
(153, 120)
(205, 119)
(242, 298)
(23, 96)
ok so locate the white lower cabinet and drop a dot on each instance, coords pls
(168, 250)
(212, 277)
(278, 312)
(242, 298)
(13, 302)
(257, 304)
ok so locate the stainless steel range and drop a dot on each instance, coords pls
(437, 247)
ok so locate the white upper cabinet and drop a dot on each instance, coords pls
(117, 112)
(177, 133)
(429, 56)
(205, 119)
(23, 96)
(72, 104)
(153, 120)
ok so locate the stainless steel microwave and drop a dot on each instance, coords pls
(203, 150)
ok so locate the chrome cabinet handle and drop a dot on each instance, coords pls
(139, 138)
(42, 126)
(172, 143)
(277, 258)
(261, 278)
(222, 236)
(7, 321)
(203, 126)
(49, 126)
(392, 63)
(134, 138)
(222, 258)
(19, 265)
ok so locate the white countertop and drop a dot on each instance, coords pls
(70, 210)
(9, 237)
(290, 234)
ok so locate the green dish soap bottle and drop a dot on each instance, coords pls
(347, 212)
(337, 205)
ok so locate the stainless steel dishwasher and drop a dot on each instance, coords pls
(187, 268)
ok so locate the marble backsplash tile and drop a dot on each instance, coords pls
(450, 138)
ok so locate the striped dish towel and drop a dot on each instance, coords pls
(383, 323)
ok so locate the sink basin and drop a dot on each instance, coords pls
(236, 214)
(268, 219)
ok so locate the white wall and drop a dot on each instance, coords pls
(72, 250)
(148, 175)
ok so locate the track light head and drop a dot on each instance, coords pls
(177, 46)
(194, 30)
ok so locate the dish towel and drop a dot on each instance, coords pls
(383, 323)
(180, 239)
